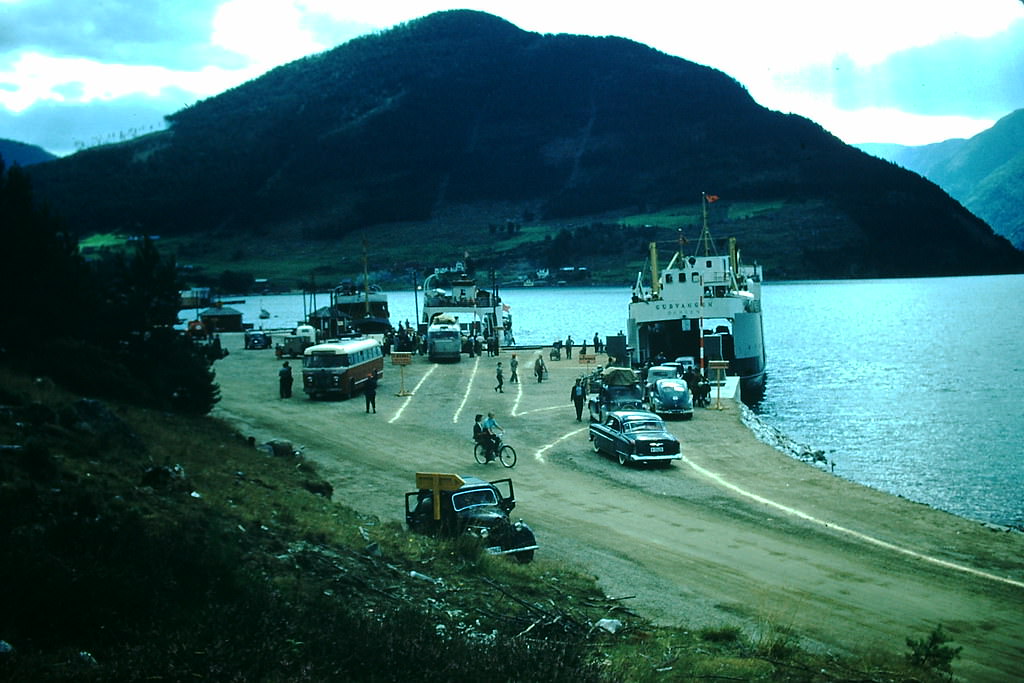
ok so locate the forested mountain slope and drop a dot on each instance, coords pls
(461, 112)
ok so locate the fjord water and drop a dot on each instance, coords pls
(910, 386)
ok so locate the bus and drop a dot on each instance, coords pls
(340, 366)
(444, 342)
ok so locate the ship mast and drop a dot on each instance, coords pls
(705, 234)
(366, 281)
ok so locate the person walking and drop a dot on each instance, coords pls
(538, 368)
(498, 375)
(568, 346)
(370, 392)
(284, 376)
(513, 365)
(577, 396)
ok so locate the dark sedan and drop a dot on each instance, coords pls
(671, 397)
(634, 436)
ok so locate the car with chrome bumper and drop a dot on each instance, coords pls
(635, 437)
(670, 397)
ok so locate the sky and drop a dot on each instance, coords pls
(77, 73)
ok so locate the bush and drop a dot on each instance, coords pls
(933, 652)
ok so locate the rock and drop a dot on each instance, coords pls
(319, 487)
(610, 625)
(165, 477)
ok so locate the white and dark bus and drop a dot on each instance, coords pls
(444, 342)
(340, 366)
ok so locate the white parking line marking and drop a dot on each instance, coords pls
(539, 455)
(408, 398)
(469, 387)
(540, 410)
(519, 397)
(850, 532)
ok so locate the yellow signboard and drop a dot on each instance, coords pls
(436, 483)
(439, 482)
(401, 357)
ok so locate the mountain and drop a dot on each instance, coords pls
(984, 173)
(422, 136)
(13, 152)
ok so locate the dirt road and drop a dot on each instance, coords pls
(735, 533)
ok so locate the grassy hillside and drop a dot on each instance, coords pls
(136, 545)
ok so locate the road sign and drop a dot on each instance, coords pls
(438, 482)
(401, 359)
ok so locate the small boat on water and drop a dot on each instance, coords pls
(706, 306)
(454, 294)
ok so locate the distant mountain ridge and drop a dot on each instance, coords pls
(460, 113)
(13, 152)
(984, 173)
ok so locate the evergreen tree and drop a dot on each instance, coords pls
(104, 329)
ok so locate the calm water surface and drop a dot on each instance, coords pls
(910, 386)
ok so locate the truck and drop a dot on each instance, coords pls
(614, 389)
(452, 505)
(293, 345)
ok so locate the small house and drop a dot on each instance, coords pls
(221, 319)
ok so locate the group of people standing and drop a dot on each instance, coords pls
(539, 370)
(569, 344)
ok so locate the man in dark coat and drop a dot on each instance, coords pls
(370, 392)
(578, 395)
(284, 376)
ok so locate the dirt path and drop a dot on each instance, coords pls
(735, 533)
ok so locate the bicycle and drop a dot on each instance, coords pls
(502, 452)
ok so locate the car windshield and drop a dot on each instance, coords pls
(445, 334)
(646, 425)
(472, 498)
(672, 388)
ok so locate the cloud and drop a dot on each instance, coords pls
(171, 33)
(35, 78)
(960, 76)
(831, 62)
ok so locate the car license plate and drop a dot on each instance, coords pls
(657, 449)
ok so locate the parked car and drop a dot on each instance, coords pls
(659, 372)
(671, 397)
(257, 339)
(635, 436)
(450, 505)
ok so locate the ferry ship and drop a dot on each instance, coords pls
(454, 294)
(354, 309)
(705, 306)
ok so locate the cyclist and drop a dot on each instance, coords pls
(479, 436)
(489, 436)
